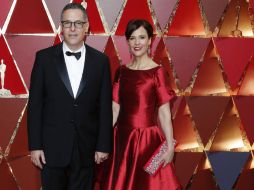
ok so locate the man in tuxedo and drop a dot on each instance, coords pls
(70, 107)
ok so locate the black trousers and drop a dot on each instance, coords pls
(72, 177)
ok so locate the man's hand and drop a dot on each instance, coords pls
(38, 158)
(100, 157)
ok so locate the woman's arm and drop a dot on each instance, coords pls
(166, 125)
(116, 108)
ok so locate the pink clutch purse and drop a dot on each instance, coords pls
(155, 163)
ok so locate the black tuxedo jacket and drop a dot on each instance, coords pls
(55, 117)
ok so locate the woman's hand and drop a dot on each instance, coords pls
(168, 155)
(166, 125)
(115, 108)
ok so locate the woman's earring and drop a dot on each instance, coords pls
(130, 53)
(149, 51)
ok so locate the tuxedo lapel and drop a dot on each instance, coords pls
(87, 68)
(61, 67)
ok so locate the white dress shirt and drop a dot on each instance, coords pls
(74, 67)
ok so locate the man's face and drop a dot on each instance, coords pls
(74, 33)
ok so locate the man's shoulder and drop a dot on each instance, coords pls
(49, 50)
(95, 53)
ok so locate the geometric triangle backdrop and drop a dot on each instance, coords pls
(207, 48)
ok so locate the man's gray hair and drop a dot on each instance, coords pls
(75, 6)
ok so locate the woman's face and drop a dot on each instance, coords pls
(139, 42)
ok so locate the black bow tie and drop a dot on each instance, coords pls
(77, 54)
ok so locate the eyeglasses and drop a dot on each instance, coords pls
(77, 24)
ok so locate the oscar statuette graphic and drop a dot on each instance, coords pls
(84, 4)
(237, 32)
(3, 91)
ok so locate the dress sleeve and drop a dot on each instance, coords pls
(116, 84)
(163, 89)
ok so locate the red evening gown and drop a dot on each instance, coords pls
(137, 135)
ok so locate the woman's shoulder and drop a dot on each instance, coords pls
(157, 68)
(150, 67)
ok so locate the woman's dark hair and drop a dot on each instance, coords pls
(135, 24)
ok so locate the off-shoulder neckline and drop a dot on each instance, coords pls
(159, 66)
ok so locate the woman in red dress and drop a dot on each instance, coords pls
(141, 96)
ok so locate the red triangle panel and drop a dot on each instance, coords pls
(187, 20)
(185, 165)
(206, 112)
(25, 56)
(245, 105)
(4, 10)
(132, 10)
(246, 87)
(7, 182)
(10, 110)
(161, 57)
(24, 19)
(235, 54)
(32, 179)
(185, 53)
(12, 80)
(110, 51)
(19, 146)
(209, 78)
(95, 21)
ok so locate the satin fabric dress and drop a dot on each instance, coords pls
(136, 134)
